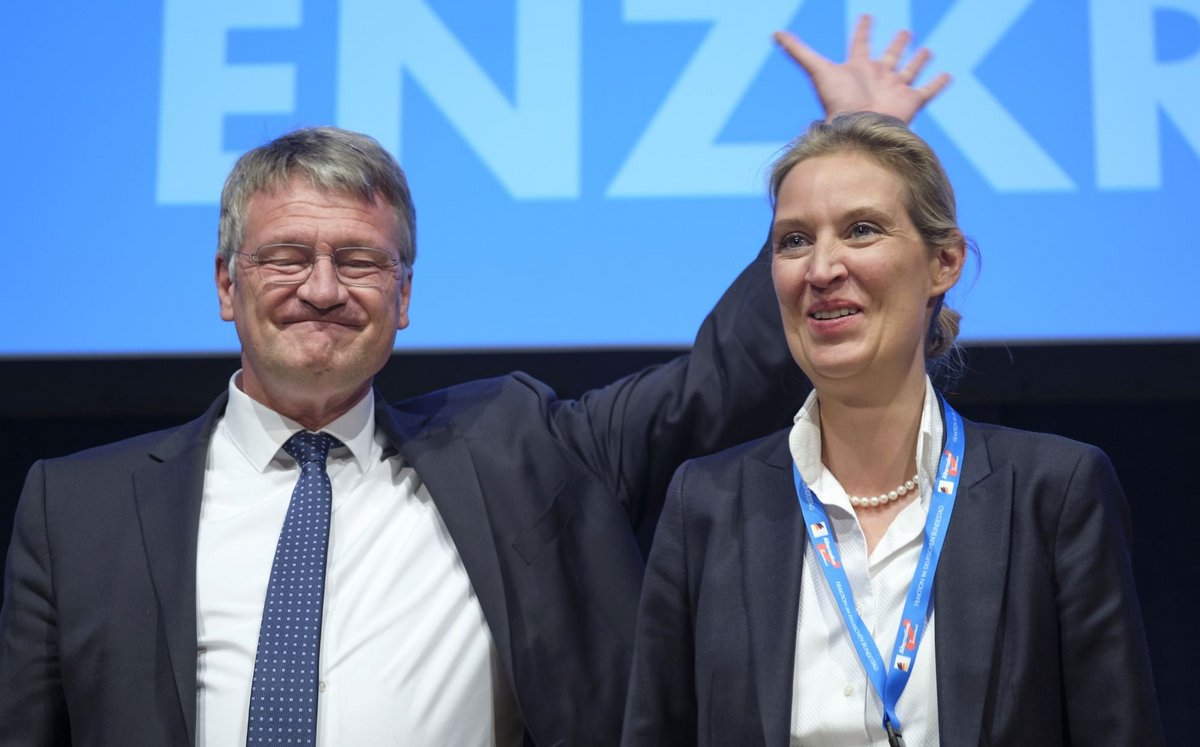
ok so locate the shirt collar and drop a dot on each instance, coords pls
(259, 432)
(929, 440)
(804, 441)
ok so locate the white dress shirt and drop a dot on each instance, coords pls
(406, 656)
(834, 703)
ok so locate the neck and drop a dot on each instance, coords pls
(868, 443)
(314, 410)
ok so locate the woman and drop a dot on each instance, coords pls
(788, 589)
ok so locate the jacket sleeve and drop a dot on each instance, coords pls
(32, 705)
(739, 382)
(661, 705)
(1108, 687)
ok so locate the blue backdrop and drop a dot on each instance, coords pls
(586, 173)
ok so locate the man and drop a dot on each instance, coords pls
(456, 569)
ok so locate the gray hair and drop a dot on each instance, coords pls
(331, 159)
(930, 198)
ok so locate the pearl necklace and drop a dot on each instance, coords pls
(885, 498)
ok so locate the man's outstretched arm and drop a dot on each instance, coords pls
(739, 382)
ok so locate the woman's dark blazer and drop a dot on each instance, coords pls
(1039, 636)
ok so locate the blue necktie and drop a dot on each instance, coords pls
(283, 699)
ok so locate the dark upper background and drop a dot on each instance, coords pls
(1139, 402)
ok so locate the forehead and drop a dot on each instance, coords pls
(300, 212)
(840, 182)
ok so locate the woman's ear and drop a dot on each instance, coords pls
(946, 265)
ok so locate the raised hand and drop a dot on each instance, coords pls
(863, 84)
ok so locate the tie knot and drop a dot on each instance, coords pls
(305, 446)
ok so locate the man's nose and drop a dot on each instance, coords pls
(323, 288)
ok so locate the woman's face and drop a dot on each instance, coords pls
(855, 282)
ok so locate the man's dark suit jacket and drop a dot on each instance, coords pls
(1039, 636)
(542, 497)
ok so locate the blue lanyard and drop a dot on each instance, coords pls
(889, 680)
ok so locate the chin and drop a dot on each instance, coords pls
(832, 364)
(833, 374)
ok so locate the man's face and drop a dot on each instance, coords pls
(319, 338)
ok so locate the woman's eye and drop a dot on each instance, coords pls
(793, 241)
(862, 230)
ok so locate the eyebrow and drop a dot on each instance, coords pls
(848, 215)
(787, 224)
(867, 212)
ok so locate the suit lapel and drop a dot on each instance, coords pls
(443, 461)
(969, 592)
(773, 547)
(168, 494)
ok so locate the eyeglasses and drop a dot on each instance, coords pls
(290, 264)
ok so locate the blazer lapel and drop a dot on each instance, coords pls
(168, 494)
(772, 545)
(442, 459)
(969, 591)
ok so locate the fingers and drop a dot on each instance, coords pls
(891, 55)
(867, 81)
(934, 87)
(804, 55)
(914, 66)
(860, 41)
